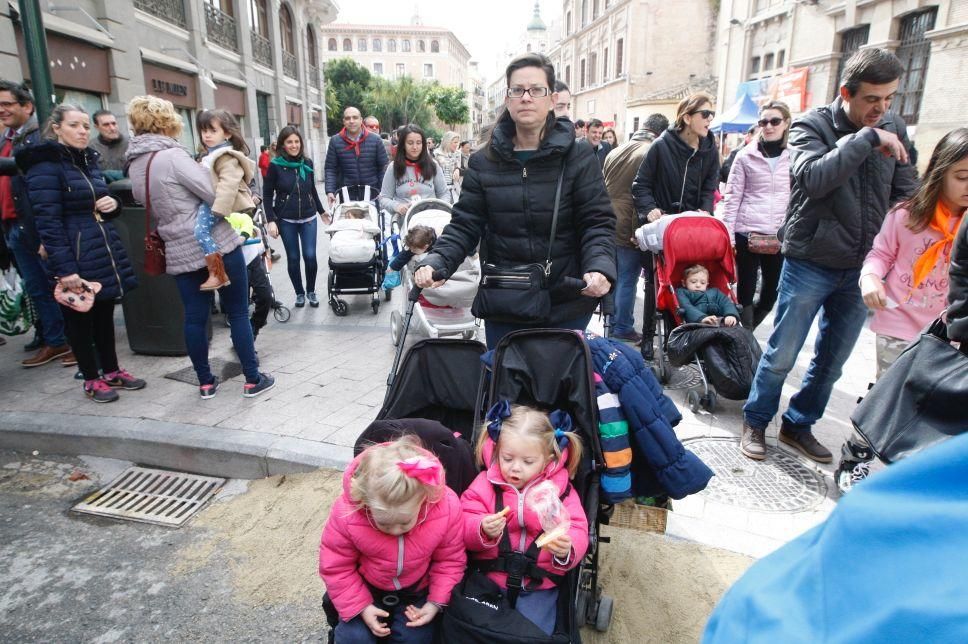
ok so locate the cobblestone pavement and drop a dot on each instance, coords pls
(331, 378)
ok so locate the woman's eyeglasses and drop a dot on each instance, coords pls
(706, 114)
(535, 92)
(775, 121)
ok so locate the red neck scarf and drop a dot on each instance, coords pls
(351, 144)
(416, 169)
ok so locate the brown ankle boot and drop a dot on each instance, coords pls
(216, 273)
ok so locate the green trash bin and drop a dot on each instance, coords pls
(153, 313)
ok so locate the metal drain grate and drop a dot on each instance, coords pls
(781, 483)
(684, 377)
(161, 497)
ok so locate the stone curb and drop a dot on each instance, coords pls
(213, 451)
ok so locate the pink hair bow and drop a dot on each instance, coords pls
(425, 470)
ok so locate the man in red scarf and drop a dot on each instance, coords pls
(356, 158)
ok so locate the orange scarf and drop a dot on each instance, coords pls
(946, 223)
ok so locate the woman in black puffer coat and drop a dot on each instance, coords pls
(72, 207)
(680, 173)
(507, 201)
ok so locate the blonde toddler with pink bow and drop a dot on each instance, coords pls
(392, 549)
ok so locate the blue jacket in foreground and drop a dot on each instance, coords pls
(697, 305)
(883, 567)
(659, 458)
(64, 183)
(344, 168)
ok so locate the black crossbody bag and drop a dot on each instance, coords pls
(518, 294)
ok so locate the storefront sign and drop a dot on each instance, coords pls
(791, 88)
(230, 98)
(178, 87)
(73, 64)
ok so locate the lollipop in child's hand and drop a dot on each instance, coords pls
(555, 520)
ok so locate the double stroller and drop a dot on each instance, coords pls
(439, 393)
(442, 311)
(357, 254)
(725, 357)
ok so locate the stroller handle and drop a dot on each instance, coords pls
(437, 276)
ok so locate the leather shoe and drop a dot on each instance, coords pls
(804, 442)
(753, 443)
(68, 359)
(45, 355)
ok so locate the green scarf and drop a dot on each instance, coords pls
(300, 165)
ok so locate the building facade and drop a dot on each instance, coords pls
(796, 50)
(257, 58)
(613, 52)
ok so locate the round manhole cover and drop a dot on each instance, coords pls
(781, 483)
(685, 377)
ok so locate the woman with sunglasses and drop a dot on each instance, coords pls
(757, 194)
(680, 173)
(507, 204)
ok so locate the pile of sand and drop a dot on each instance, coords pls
(664, 589)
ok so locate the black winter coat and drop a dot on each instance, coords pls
(842, 187)
(286, 196)
(64, 183)
(507, 206)
(676, 178)
(958, 288)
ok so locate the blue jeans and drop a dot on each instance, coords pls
(296, 238)
(629, 264)
(356, 631)
(38, 286)
(235, 303)
(204, 220)
(806, 289)
(494, 331)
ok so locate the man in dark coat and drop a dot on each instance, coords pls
(111, 143)
(20, 131)
(601, 148)
(356, 157)
(849, 162)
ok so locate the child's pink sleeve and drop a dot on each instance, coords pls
(475, 505)
(338, 566)
(883, 254)
(449, 559)
(578, 532)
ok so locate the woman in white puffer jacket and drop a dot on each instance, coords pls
(757, 195)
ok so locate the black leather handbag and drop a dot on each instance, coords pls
(518, 294)
(921, 400)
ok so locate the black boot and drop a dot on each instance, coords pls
(746, 316)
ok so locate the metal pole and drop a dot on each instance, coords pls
(35, 41)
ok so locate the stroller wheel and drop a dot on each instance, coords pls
(281, 313)
(709, 401)
(375, 305)
(694, 400)
(396, 327)
(386, 294)
(339, 307)
(603, 617)
(581, 608)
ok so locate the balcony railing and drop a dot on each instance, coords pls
(314, 79)
(289, 64)
(172, 11)
(261, 50)
(221, 28)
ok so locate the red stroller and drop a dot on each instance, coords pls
(689, 240)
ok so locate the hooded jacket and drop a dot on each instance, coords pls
(958, 287)
(344, 167)
(757, 194)
(523, 524)
(651, 415)
(842, 187)
(232, 172)
(507, 207)
(64, 183)
(621, 166)
(178, 186)
(352, 550)
(676, 178)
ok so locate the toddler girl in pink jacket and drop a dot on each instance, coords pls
(904, 279)
(522, 448)
(391, 551)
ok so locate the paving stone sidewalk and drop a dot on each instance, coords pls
(331, 378)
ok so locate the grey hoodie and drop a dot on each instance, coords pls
(178, 186)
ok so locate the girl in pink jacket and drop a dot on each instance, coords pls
(904, 279)
(522, 448)
(391, 551)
